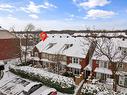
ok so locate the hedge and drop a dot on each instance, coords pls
(44, 80)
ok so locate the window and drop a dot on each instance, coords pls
(53, 57)
(66, 46)
(125, 81)
(36, 54)
(50, 45)
(75, 71)
(64, 58)
(103, 64)
(120, 66)
(50, 57)
(121, 80)
(46, 56)
(124, 52)
(98, 75)
(75, 60)
(43, 55)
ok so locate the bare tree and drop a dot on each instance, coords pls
(108, 48)
(28, 28)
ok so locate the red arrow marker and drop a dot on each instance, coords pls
(43, 35)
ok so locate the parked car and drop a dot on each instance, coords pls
(30, 88)
(50, 91)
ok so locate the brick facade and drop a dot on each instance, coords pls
(9, 48)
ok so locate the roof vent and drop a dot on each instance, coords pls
(53, 36)
(67, 36)
(60, 36)
(0, 26)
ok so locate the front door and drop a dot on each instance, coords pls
(87, 73)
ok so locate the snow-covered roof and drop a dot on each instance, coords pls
(77, 47)
(122, 43)
(74, 65)
(116, 43)
(4, 34)
(103, 70)
(27, 88)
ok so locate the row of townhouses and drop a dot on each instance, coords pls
(61, 53)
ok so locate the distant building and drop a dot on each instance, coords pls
(9, 45)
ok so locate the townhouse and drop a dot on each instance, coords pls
(102, 68)
(61, 53)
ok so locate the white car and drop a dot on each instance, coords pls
(30, 88)
(50, 91)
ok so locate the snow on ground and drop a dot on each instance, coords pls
(54, 77)
(9, 85)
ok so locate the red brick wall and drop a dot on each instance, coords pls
(94, 65)
(9, 48)
(69, 60)
(83, 62)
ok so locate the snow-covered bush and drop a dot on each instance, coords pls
(98, 89)
(89, 89)
(61, 83)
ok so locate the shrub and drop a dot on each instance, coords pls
(62, 86)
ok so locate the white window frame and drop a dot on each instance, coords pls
(125, 77)
(121, 80)
(121, 66)
(102, 64)
(77, 59)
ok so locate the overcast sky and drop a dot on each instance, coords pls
(64, 14)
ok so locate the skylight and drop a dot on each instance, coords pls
(50, 45)
(67, 46)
